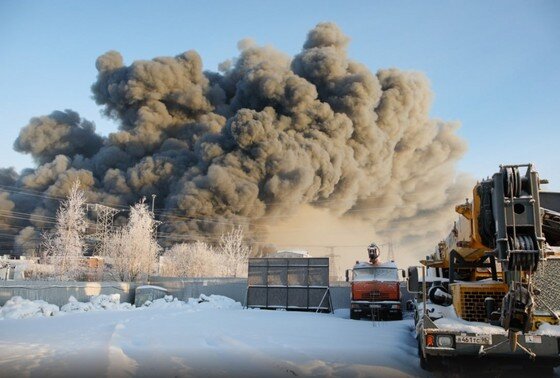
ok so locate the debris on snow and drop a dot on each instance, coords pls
(203, 302)
(96, 303)
(166, 302)
(19, 308)
(215, 301)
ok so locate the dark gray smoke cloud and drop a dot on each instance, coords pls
(60, 133)
(253, 142)
(26, 241)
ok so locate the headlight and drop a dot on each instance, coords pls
(396, 306)
(444, 341)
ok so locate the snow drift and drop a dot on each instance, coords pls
(173, 342)
(19, 308)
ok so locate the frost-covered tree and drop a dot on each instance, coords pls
(133, 249)
(64, 245)
(199, 259)
(234, 252)
(192, 260)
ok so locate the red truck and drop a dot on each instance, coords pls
(375, 289)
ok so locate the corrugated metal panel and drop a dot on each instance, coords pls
(290, 283)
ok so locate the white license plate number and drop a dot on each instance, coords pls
(478, 339)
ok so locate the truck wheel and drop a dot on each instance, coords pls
(540, 371)
(398, 316)
(427, 363)
(354, 315)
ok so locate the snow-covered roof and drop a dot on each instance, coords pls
(151, 287)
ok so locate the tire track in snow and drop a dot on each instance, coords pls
(15, 359)
(120, 365)
(240, 355)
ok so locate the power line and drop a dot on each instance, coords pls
(169, 213)
(254, 222)
(14, 189)
(10, 212)
(29, 193)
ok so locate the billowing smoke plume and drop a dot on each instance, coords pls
(60, 133)
(250, 144)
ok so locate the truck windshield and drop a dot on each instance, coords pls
(376, 274)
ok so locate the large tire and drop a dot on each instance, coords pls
(427, 363)
(539, 371)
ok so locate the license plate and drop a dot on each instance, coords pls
(533, 339)
(477, 339)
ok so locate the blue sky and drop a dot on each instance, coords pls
(494, 66)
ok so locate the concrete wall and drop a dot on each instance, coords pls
(184, 288)
(340, 294)
(57, 293)
(234, 288)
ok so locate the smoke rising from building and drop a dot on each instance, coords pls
(248, 145)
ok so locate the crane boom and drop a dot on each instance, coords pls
(487, 266)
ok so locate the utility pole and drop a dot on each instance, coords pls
(156, 223)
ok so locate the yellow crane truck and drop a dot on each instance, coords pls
(492, 287)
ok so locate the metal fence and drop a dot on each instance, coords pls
(184, 288)
(58, 292)
(289, 283)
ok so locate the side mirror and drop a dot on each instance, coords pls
(409, 305)
(413, 285)
(347, 275)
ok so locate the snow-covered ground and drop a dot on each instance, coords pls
(213, 338)
(210, 336)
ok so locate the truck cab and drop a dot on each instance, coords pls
(375, 291)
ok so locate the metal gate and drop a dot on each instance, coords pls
(289, 283)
